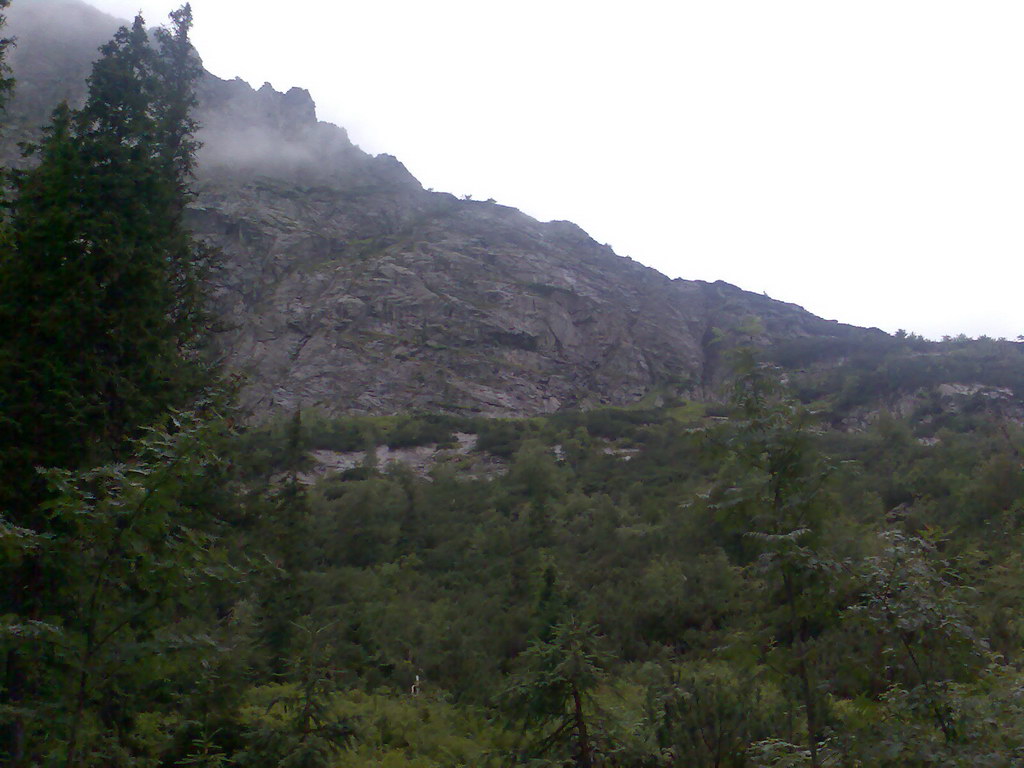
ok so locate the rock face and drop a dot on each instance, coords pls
(346, 286)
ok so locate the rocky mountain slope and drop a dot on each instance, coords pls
(346, 286)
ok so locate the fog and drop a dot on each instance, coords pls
(862, 160)
(244, 131)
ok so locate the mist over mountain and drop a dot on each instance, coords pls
(346, 286)
(714, 530)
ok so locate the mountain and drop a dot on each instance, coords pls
(346, 286)
(823, 568)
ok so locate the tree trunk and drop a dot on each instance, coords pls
(72, 753)
(585, 758)
(811, 708)
(804, 673)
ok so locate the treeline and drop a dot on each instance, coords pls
(734, 585)
(859, 373)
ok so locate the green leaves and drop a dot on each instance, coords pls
(125, 560)
(553, 693)
(99, 287)
(100, 322)
(304, 731)
(706, 714)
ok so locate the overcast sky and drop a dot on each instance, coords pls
(862, 158)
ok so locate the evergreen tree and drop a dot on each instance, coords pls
(771, 493)
(99, 305)
(553, 695)
(100, 326)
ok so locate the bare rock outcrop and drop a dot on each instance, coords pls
(344, 285)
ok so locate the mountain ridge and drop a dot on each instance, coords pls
(345, 286)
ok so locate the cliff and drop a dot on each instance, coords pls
(344, 285)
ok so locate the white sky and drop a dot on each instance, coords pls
(861, 158)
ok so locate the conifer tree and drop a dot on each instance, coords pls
(553, 695)
(98, 292)
(771, 493)
(100, 324)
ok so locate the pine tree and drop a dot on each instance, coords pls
(100, 307)
(771, 496)
(100, 326)
(553, 695)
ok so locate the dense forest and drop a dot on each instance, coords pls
(820, 568)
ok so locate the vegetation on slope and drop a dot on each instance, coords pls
(822, 569)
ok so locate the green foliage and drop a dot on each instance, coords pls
(300, 728)
(608, 423)
(553, 695)
(851, 376)
(728, 580)
(100, 337)
(770, 495)
(900, 728)
(124, 555)
(926, 633)
(717, 584)
(707, 715)
(99, 301)
(728, 558)
(422, 430)
(501, 437)
(424, 731)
